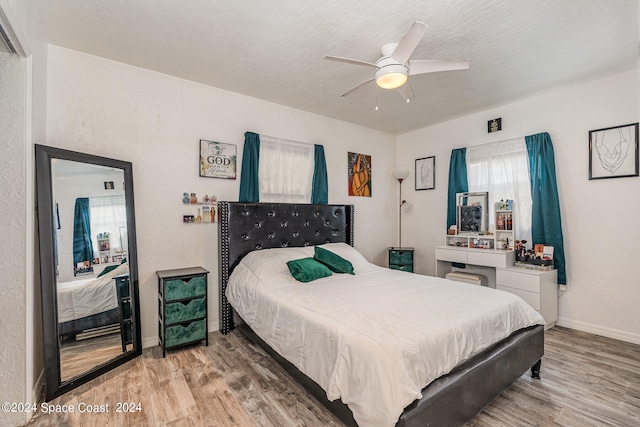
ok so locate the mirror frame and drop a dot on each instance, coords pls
(45, 214)
(483, 199)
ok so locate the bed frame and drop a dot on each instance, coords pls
(71, 328)
(452, 399)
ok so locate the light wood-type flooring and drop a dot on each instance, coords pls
(587, 380)
(80, 356)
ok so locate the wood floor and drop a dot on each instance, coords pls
(587, 380)
(80, 356)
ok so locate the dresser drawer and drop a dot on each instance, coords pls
(175, 289)
(490, 258)
(518, 279)
(185, 333)
(176, 312)
(451, 255)
(400, 257)
(531, 298)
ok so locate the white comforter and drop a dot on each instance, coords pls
(83, 298)
(376, 338)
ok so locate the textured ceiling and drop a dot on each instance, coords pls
(274, 50)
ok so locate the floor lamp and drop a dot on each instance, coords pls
(400, 175)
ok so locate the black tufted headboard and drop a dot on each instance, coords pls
(246, 227)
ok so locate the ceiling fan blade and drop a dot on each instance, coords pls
(409, 42)
(422, 66)
(358, 86)
(349, 61)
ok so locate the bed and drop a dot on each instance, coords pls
(88, 303)
(422, 383)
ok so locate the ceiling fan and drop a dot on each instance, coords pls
(395, 67)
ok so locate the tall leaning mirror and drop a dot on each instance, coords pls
(88, 266)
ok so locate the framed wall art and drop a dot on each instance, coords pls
(613, 152)
(426, 173)
(217, 160)
(359, 174)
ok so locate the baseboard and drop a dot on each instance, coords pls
(600, 330)
(37, 395)
(149, 342)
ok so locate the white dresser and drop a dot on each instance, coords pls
(538, 288)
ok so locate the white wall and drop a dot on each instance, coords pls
(22, 121)
(155, 121)
(13, 250)
(599, 217)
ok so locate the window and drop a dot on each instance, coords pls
(502, 169)
(108, 214)
(285, 170)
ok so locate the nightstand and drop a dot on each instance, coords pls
(123, 294)
(182, 311)
(401, 259)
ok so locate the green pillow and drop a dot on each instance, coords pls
(335, 262)
(107, 269)
(307, 269)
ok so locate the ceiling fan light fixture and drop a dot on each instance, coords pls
(392, 76)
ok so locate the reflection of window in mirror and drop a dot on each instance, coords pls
(105, 212)
(107, 216)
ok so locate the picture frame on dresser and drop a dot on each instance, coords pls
(425, 173)
(613, 152)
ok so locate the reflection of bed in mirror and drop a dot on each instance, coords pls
(325, 332)
(89, 305)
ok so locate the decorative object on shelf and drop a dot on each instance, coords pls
(400, 175)
(359, 174)
(217, 160)
(426, 173)
(204, 214)
(613, 152)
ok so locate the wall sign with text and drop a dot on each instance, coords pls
(217, 160)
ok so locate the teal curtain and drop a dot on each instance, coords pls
(546, 226)
(457, 181)
(320, 186)
(82, 247)
(249, 180)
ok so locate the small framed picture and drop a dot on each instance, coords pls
(613, 152)
(426, 173)
(217, 160)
